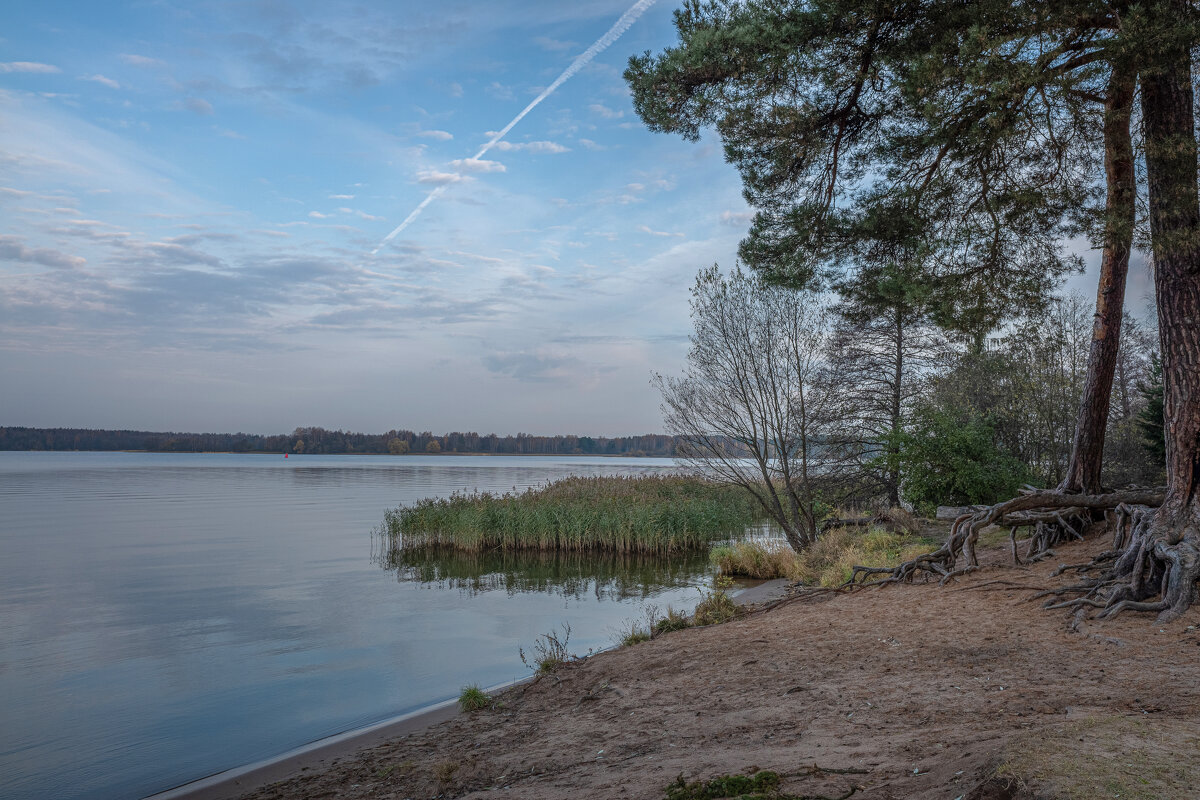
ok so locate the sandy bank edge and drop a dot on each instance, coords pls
(316, 755)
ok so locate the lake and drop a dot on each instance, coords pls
(164, 617)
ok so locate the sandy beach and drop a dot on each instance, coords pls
(968, 690)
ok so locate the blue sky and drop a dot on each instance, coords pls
(191, 193)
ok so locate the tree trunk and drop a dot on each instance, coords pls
(1087, 450)
(1165, 553)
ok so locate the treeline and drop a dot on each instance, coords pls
(327, 442)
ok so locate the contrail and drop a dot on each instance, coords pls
(619, 27)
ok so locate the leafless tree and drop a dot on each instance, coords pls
(758, 405)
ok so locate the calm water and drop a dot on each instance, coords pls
(164, 617)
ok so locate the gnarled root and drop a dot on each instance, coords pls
(1158, 560)
(1055, 517)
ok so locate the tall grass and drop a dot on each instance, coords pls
(639, 514)
(828, 562)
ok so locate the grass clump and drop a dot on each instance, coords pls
(640, 514)
(549, 651)
(763, 784)
(473, 698)
(673, 621)
(716, 606)
(828, 562)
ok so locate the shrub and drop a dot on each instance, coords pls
(716, 607)
(473, 698)
(948, 458)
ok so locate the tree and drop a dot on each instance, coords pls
(981, 119)
(758, 406)
(434, 446)
(397, 446)
(883, 349)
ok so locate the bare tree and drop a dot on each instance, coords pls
(758, 405)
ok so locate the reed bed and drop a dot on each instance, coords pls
(636, 514)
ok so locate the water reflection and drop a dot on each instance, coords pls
(605, 576)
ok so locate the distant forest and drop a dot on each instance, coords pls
(325, 442)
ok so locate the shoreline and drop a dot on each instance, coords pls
(322, 753)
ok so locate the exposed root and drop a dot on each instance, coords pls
(1055, 517)
(1153, 566)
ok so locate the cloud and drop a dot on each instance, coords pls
(456, 89)
(141, 61)
(601, 110)
(553, 45)
(736, 218)
(588, 144)
(109, 82)
(228, 134)
(477, 165)
(647, 229)
(28, 66)
(12, 249)
(319, 215)
(532, 147)
(341, 197)
(441, 136)
(198, 106)
(531, 367)
(362, 214)
(499, 91)
(436, 178)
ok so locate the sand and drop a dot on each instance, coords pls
(968, 690)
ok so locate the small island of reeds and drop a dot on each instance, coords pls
(633, 514)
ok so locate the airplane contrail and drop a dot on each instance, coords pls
(619, 27)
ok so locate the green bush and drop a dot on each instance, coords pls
(953, 459)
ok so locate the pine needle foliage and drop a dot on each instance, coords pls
(637, 514)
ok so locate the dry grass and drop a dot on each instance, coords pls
(828, 562)
(1139, 758)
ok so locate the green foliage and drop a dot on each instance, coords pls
(647, 514)
(948, 458)
(763, 784)
(1150, 418)
(397, 447)
(714, 608)
(473, 698)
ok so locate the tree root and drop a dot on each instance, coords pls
(1153, 566)
(1055, 517)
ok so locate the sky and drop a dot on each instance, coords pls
(195, 199)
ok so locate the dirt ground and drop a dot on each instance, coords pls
(966, 691)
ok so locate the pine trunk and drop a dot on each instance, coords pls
(1087, 450)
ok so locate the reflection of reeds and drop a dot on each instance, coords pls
(638, 514)
(606, 575)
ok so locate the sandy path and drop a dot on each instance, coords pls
(920, 690)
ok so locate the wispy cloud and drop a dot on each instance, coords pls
(441, 136)
(28, 66)
(142, 61)
(652, 232)
(470, 166)
(532, 147)
(198, 105)
(100, 79)
(582, 60)
(13, 249)
(601, 110)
